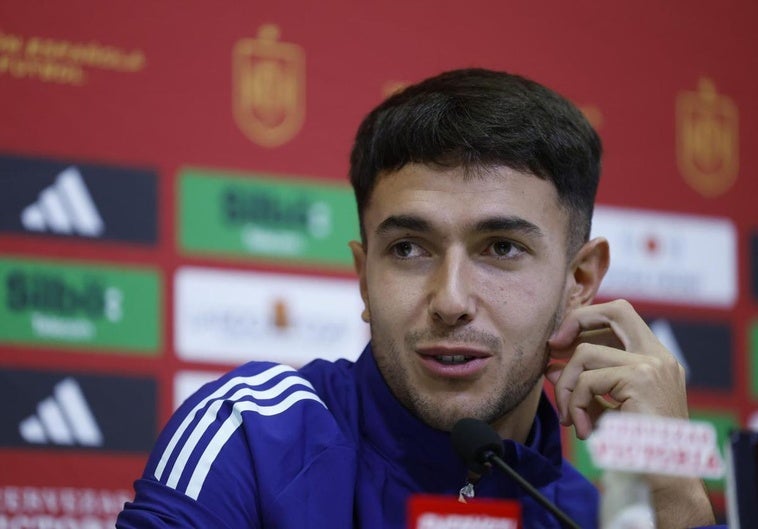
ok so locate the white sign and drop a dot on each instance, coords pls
(668, 258)
(65, 507)
(658, 445)
(464, 521)
(235, 317)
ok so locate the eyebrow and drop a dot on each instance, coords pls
(402, 222)
(418, 224)
(508, 224)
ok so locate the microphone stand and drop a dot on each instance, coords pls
(492, 458)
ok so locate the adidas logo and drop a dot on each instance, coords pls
(665, 334)
(65, 207)
(64, 418)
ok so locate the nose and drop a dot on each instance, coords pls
(451, 300)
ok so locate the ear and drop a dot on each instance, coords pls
(359, 261)
(587, 271)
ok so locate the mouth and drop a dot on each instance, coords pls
(453, 359)
(453, 362)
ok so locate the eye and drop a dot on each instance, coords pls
(504, 249)
(406, 250)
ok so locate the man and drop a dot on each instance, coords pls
(475, 192)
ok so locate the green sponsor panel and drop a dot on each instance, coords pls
(266, 217)
(722, 422)
(81, 306)
(753, 348)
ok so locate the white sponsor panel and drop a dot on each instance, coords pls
(235, 317)
(64, 507)
(637, 443)
(464, 521)
(668, 258)
(188, 382)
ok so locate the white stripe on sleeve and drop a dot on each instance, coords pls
(210, 416)
(229, 427)
(255, 380)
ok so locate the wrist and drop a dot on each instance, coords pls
(680, 503)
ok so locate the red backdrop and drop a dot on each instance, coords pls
(160, 87)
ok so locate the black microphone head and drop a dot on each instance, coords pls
(473, 439)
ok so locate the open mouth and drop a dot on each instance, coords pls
(453, 360)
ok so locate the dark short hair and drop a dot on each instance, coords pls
(475, 119)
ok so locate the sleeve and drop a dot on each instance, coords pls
(231, 453)
(157, 506)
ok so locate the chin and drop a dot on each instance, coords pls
(444, 417)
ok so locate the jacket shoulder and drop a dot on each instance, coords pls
(241, 441)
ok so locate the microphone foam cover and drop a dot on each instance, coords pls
(472, 439)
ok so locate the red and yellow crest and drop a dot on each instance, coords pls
(707, 139)
(268, 87)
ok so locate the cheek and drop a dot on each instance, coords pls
(391, 298)
(525, 300)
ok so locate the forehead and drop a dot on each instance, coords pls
(454, 198)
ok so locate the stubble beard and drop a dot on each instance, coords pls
(496, 404)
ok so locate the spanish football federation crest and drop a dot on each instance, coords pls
(268, 86)
(707, 139)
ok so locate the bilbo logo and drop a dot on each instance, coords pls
(244, 207)
(51, 294)
(268, 87)
(707, 139)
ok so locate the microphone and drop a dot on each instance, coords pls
(478, 444)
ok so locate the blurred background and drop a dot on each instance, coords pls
(174, 200)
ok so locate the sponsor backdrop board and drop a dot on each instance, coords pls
(97, 202)
(79, 305)
(233, 317)
(174, 201)
(264, 217)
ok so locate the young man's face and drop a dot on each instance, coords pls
(464, 279)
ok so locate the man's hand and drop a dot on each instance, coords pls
(605, 356)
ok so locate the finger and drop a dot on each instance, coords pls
(584, 405)
(553, 372)
(586, 357)
(617, 315)
(605, 337)
(587, 418)
(651, 387)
